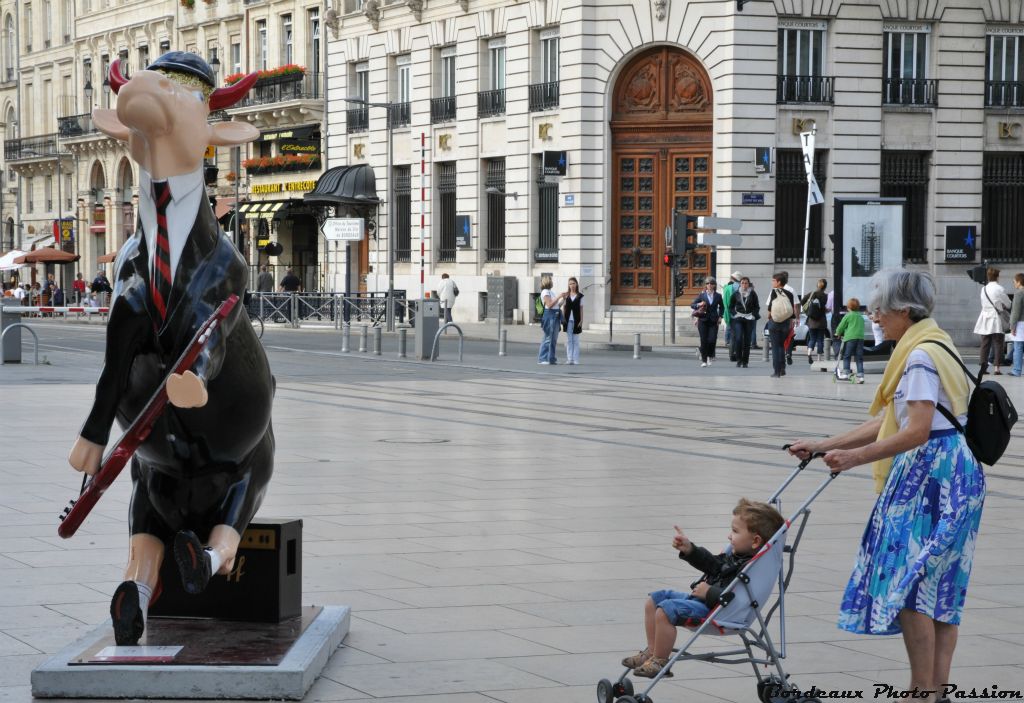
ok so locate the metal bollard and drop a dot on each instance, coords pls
(402, 333)
(377, 331)
(828, 349)
(502, 343)
(611, 323)
(766, 342)
(663, 328)
(345, 329)
(362, 338)
(636, 345)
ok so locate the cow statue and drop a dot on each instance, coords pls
(201, 473)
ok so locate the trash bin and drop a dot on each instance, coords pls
(427, 326)
(481, 306)
(11, 350)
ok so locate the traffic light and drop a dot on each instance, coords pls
(740, 4)
(979, 274)
(690, 239)
(667, 258)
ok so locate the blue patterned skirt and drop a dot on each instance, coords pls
(918, 546)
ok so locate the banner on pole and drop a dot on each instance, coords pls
(814, 196)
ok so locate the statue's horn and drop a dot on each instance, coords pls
(116, 79)
(231, 94)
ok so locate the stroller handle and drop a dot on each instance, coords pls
(808, 460)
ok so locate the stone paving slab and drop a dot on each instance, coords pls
(496, 525)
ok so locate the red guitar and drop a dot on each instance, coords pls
(116, 459)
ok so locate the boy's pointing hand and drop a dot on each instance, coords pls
(681, 541)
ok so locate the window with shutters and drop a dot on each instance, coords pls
(446, 215)
(547, 215)
(904, 174)
(791, 207)
(1002, 207)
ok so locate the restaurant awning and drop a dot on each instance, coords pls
(224, 206)
(345, 185)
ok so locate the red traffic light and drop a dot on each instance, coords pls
(667, 259)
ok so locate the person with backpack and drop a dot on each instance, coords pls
(914, 562)
(781, 315)
(815, 306)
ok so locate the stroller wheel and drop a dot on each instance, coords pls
(628, 699)
(768, 688)
(641, 698)
(605, 691)
(623, 688)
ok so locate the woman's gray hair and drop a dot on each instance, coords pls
(896, 289)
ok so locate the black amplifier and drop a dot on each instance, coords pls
(265, 583)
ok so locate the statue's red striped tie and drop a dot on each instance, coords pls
(161, 283)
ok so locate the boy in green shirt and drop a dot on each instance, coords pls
(851, 331)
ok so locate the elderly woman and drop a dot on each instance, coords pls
(915, 556)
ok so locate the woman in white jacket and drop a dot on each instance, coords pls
(995, 307)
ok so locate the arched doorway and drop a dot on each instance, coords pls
(125, 184)
(98, 218)
(661, 162)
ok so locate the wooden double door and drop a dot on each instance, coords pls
(650, 184)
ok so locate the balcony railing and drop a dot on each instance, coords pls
(910, 91)
(399, 114)
(45, 145)
(76, 125)
(804, 89)
(490, 103)
(442, 109)
(1004, 94)
(357, 119)
(301, 86)
(543, 96)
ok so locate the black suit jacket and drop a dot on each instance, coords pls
(713, 310)
(141, 350)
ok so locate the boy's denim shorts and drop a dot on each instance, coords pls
(680, 607)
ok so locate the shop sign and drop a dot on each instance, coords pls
(555, 163)
(463, 232)
(289, 187)
(64, 231)
(299, 146)
(961, 242)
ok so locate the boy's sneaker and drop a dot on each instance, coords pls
(860, 379)
(637, 659)
(650, 668)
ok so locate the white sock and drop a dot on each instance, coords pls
(214, 560)
(145, 593)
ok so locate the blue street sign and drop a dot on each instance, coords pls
(753, 198)
(570, 199)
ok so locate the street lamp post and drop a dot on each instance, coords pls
(390, 306)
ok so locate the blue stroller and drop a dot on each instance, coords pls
(739, 614)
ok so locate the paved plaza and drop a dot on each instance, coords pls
(496, 525)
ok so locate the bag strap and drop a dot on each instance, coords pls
(999, 311)
(950, 417)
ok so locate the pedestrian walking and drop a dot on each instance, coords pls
(791, 337)
(815, 306)
(851, 331)
(290, 283)
(915, 556)
(446, 293)
(1017, 323)
(550, 321)
(993, 321)
(781, 318)
(744, 309)
(572, 322)
(708, 309)
(727, 291)
(265, 281)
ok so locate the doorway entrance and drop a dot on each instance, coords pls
(661, 163)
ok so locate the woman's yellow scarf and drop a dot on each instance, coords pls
(952, 377)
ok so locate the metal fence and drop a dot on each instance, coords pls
(336, 308)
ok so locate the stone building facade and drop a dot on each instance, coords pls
(659, 105)
(55, 56)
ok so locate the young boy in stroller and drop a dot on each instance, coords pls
(753, 524)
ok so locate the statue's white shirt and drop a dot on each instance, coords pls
(187, 192)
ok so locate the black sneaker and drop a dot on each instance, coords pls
(126, 615)
(789, 359)
(193, 562)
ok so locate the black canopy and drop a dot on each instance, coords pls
(345, 185)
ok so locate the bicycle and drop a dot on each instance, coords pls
(257, 324)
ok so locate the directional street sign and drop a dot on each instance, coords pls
(719, 240)
(345, 229)
(733, 223)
